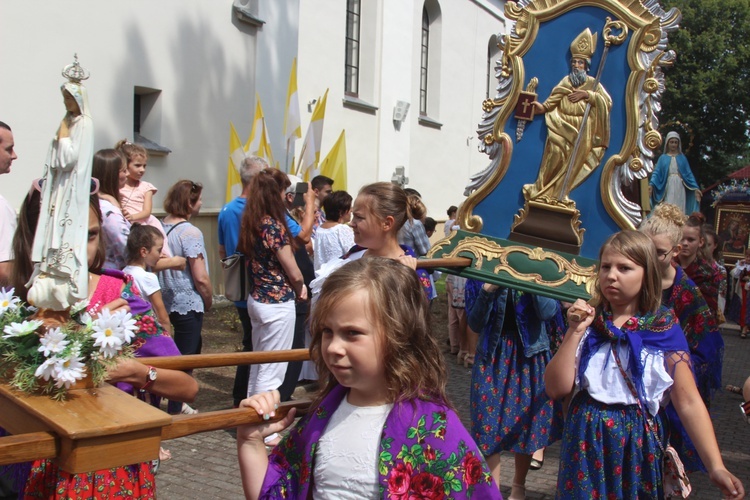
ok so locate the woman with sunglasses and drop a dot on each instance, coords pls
(696, 319)
(187, 293)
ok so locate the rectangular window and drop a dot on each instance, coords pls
(147, 119)
(137, 113)
(351, 65)
(423, 63)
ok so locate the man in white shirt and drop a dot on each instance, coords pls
(7, 214)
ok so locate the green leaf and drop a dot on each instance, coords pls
(456, 485)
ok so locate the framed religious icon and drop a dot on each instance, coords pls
(733, 227)
(571, 133)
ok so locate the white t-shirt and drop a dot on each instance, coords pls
(7, 230)
(346, 461)
(147, 282)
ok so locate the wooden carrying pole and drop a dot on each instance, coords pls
(192, 361)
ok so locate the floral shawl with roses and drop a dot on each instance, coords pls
(701, 331)
(706, 353)
(425, 453)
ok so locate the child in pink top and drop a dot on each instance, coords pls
(137, 195)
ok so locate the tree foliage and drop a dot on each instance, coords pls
(707, 98)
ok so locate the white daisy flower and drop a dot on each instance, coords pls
(8, 302)
(86, 320)
(53, 341)
(21, 329)
(46, 369)
(106, 337)
(67, 371)
(127, 325)
(79, 307)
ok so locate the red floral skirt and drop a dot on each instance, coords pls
(130, 481)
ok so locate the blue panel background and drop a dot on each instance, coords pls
(549, 60)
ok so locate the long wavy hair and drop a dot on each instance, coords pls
(266, 190)
(414, 367)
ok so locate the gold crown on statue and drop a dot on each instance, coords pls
(75, 72)
(583, 46)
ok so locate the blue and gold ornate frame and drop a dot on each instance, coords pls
(537, 46)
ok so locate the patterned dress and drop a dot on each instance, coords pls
(608, 451)
(425, 453)
(510, 410)
(270, 284)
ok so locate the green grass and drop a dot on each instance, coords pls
(440, 285)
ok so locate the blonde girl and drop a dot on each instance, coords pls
(136, 196)
(618, 366)
(383, 381)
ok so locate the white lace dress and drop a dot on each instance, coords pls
(331, 243)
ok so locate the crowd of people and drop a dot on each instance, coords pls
(616, 380)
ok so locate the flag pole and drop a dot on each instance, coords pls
(301, 155)
(286, 160)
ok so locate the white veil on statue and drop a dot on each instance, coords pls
(61, 274)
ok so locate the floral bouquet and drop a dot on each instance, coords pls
(736, 190)
(54, 355)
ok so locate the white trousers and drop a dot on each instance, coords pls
(273, 330)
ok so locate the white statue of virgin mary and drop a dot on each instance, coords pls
(61, 275)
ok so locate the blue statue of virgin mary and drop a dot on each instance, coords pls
(673, 181)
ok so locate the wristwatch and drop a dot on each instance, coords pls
(150, 377)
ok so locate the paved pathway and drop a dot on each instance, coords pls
(205, 465)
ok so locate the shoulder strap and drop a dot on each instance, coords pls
(172, 228)
(648, 422)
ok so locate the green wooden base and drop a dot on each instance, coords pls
(516, 265)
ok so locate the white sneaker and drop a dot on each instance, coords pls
(188, 410)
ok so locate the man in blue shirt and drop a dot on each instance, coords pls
(230, 221)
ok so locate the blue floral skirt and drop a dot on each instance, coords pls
(510, 410)
(607, 453)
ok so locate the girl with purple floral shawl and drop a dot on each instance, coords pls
(381, 426)
(617, 366)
